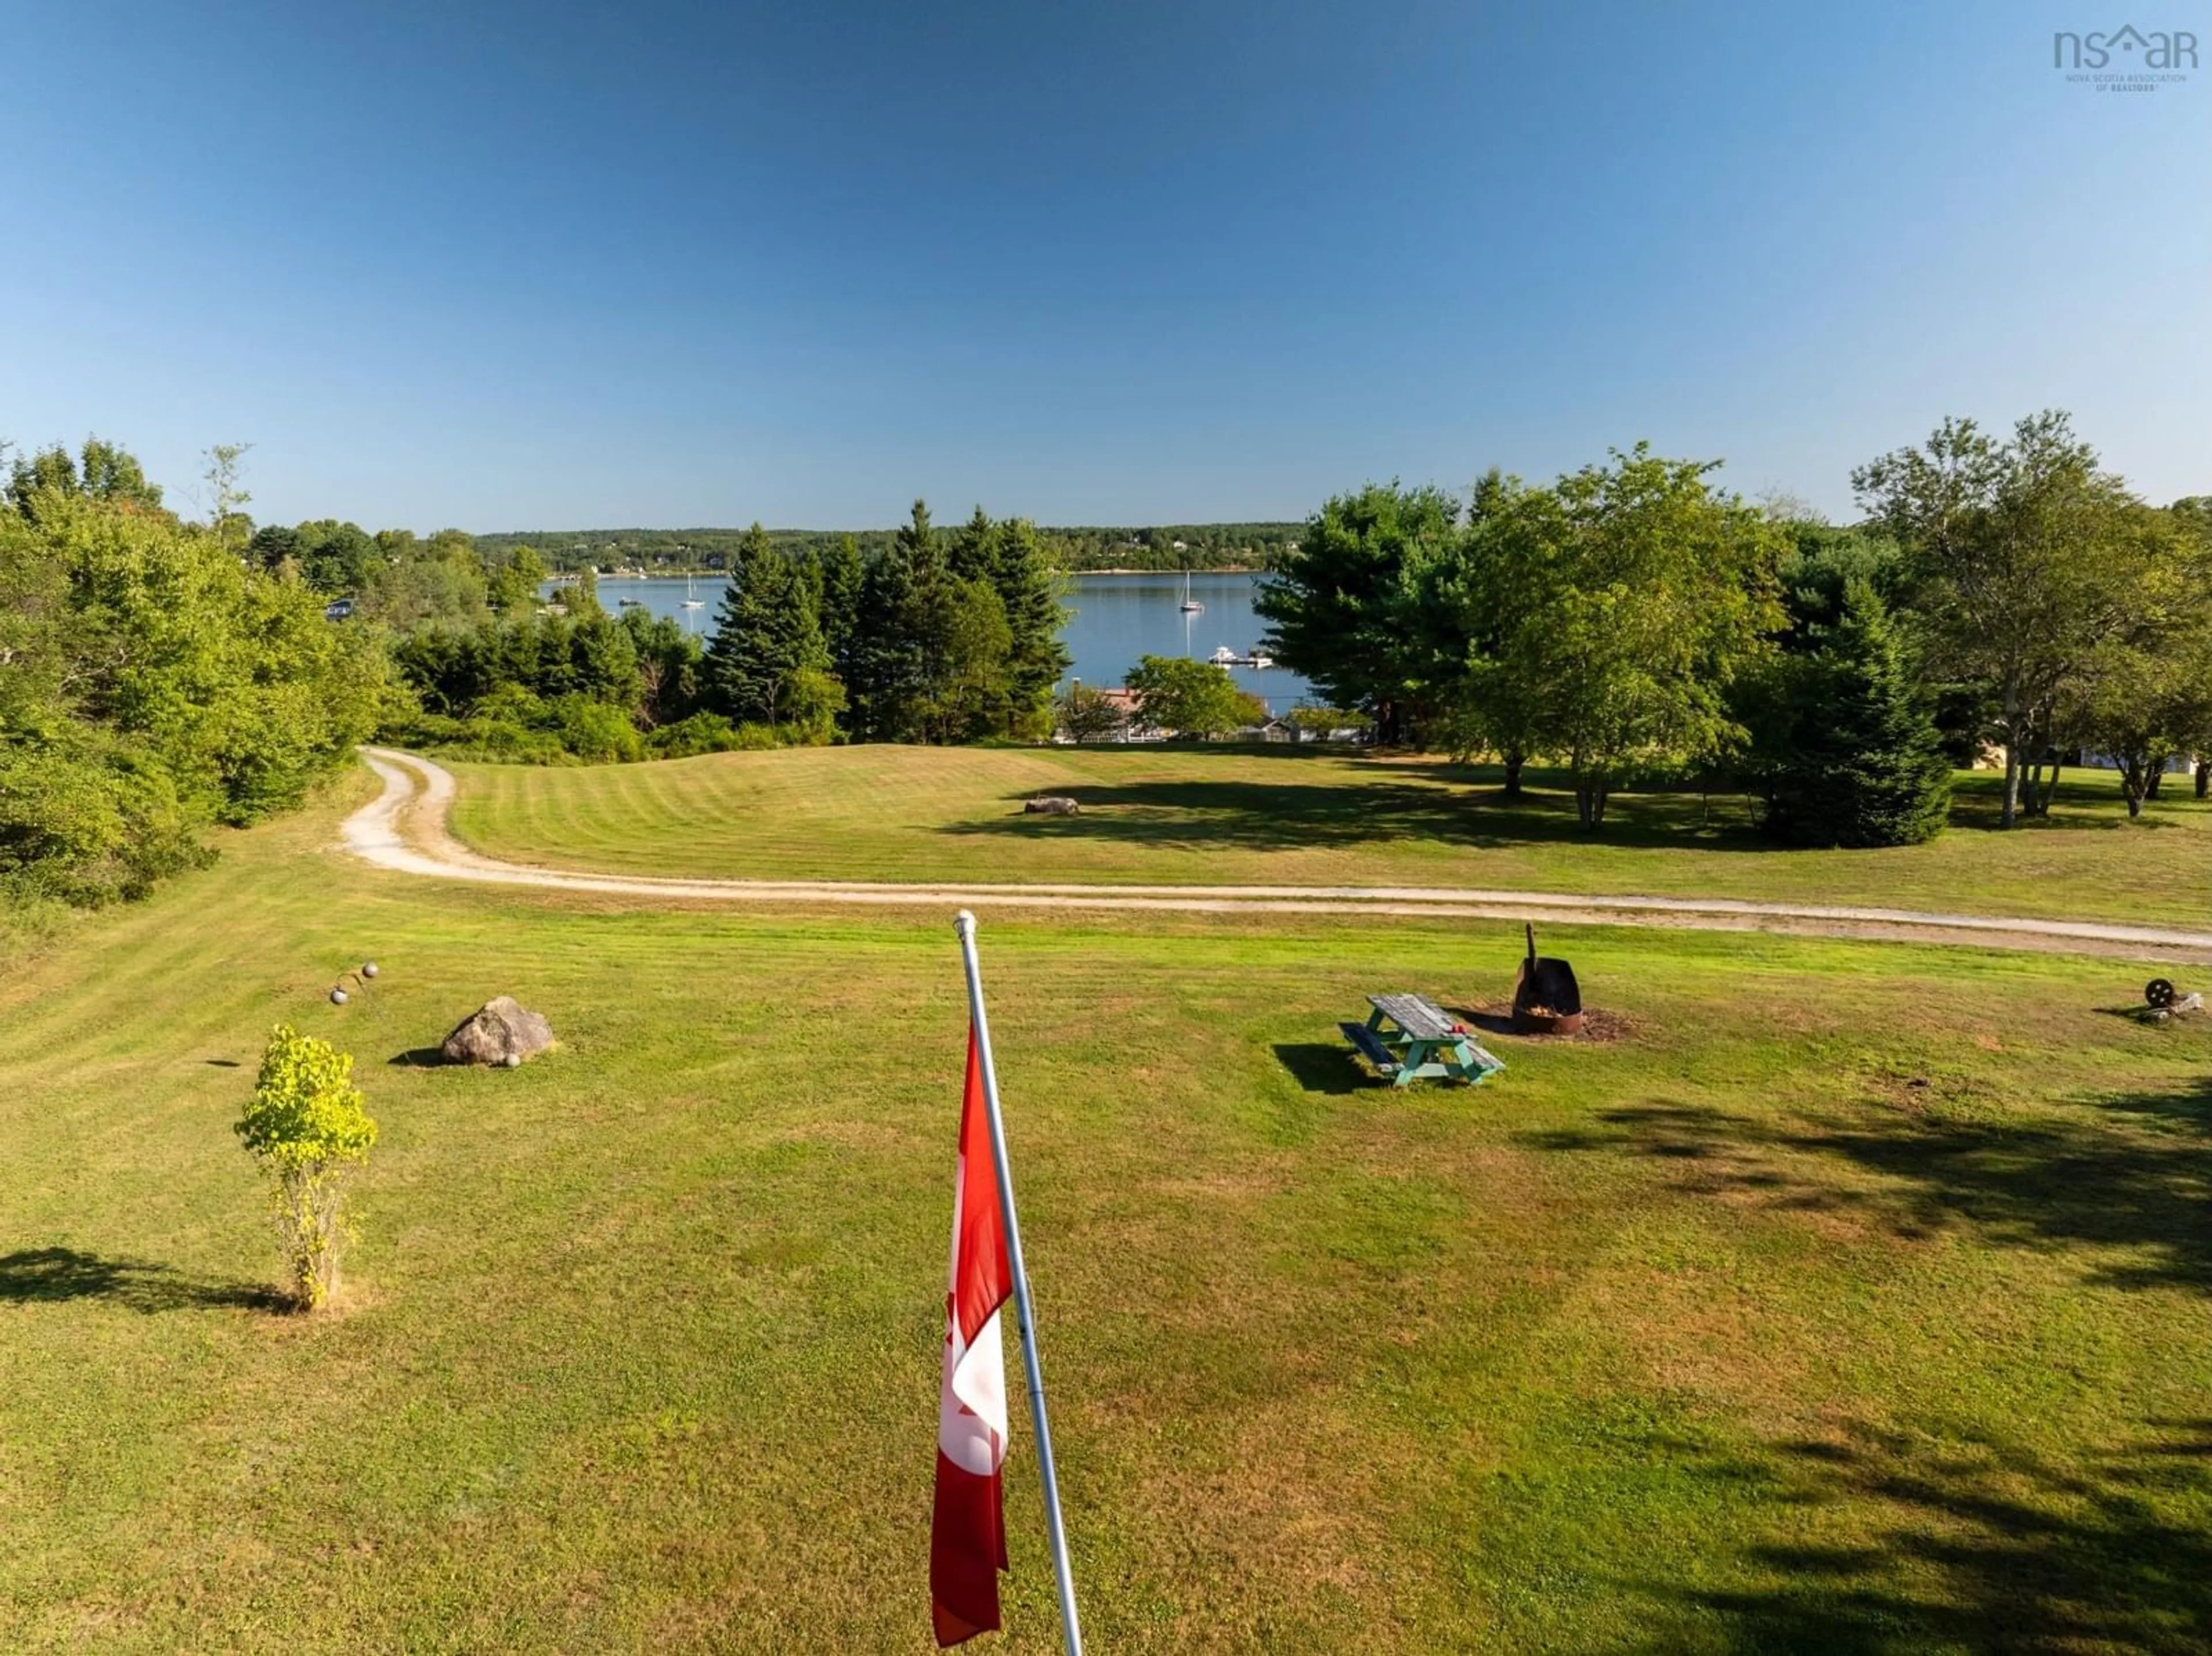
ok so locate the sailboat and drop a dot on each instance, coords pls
(691, 603)
(1191, 606)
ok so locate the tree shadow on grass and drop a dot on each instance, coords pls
(2134, 1176)
(1286, 816)
(41, 1274)
(1977, 1547)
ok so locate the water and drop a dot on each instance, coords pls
(1115, 619)
(663, 596)
(1118, 618)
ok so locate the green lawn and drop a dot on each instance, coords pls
(1278, 816)
(1858, 1299)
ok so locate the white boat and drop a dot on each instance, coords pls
(691, 603)
(1224, 656)
(1191, 606)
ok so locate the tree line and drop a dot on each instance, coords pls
(1632, 621)
(1629, 621)
(1160, 547)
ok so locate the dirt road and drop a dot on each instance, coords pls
(405, 828)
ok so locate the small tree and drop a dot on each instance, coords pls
(1318, 724)
(1861, 762)
(307, 1127)
(1088, 715)
(1191, 698)
(227, 499)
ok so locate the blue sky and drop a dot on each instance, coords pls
(587, 265)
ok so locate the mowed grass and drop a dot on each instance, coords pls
(1280, 817)
(1857, 1299)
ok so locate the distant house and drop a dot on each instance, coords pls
(1130, 704)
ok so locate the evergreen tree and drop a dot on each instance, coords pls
(974, 555)
(881, 666)
(765, 634)
(839, 610)
(1863, 764)
(1029, 591)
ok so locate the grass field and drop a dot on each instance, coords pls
(1857, 1298)
(1276, 815)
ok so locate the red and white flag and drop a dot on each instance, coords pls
(968, 1528)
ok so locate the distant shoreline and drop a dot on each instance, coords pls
(1225, 569)
(568, 577)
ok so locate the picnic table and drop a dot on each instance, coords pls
(1410, 1038)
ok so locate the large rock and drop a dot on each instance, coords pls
(1055, 804)
(503, 1031)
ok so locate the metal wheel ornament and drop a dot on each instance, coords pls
(2157, 993)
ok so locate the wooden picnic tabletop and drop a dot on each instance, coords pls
(1418, 1015)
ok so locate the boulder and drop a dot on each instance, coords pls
(1053, 804)
(501, 1031)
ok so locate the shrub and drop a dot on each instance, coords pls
(87, 817)
(307, 1127)
(594, 732)
(497, 740)
(701, 733)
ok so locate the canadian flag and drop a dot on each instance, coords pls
(968, 1528)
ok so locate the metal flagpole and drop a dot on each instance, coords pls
(964, 923)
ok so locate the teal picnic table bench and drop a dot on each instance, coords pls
(1410, 1038)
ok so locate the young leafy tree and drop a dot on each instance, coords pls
(227, 499)
(1192, 698)
(2017, 578)
(512, 580)
(1466, 596)
(112, 472)
(334, 557)
(1646, 595)
(103, 471)
(306, 1126)
(1861, 762)
(1087, 715)
(2144, 695)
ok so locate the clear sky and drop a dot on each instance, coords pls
(1131, 261)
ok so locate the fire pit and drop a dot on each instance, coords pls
(1546, 1000)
